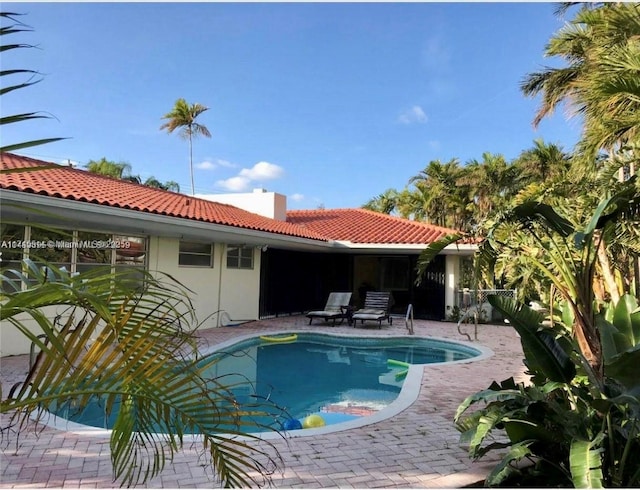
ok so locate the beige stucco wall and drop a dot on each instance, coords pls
(237, 291)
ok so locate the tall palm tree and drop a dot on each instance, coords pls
(542, 162)
(490, 182)
(183, 116)
(601, 81)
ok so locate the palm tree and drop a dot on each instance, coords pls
(601, 81)
(438, 198)
(170, 185)
(383, 203)
(17, 27)
(183, 116)
(542, 162)
(490, 182)
(112, 339)
(117, 170)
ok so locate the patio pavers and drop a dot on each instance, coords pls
(417, 448)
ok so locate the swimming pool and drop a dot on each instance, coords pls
(337, 378)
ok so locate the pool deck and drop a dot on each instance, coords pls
(416, 448)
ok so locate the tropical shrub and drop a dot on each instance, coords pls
(571, 432)
(578, 420)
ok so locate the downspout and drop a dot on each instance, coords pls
(219, 308)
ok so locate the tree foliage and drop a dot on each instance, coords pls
(601, 79)
(122, 171)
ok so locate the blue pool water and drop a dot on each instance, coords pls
(338, 378)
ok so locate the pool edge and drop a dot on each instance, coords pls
(408, 394)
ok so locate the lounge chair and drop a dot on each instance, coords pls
(376, 308)
(337, 308)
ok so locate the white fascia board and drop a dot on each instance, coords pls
(464, 249)
(460, 249)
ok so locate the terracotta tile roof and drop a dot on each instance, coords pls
(352, 225)
(364, 226)
(79, 185)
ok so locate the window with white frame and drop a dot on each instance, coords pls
(239, 257)
(195, 254)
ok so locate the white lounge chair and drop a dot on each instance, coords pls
(337, 308)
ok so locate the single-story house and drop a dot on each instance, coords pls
(243, 254)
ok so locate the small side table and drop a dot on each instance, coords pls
(347, 311)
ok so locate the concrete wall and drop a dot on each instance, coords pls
(236, 291)
(260, 201)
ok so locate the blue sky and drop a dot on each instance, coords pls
(328, 103)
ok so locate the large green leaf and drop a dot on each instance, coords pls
(626, 318)
(535, 211)
(520, 430)
(505, 469)
(626, 202)
(543, 353)
(623, 368)
(616, 204)
(585, 459)
(505, 391)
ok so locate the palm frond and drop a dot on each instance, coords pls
(129, 343)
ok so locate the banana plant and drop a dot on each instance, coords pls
(128, 341)
(565, 429)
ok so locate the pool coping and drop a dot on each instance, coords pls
(408, 394)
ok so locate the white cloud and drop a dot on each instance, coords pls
(234, 184)
(414, 115)
(209, 165)
(296, 197)
(262, 171)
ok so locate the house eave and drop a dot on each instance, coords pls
(401, 248)
(30, 208)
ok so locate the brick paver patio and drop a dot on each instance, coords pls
(416, 448)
